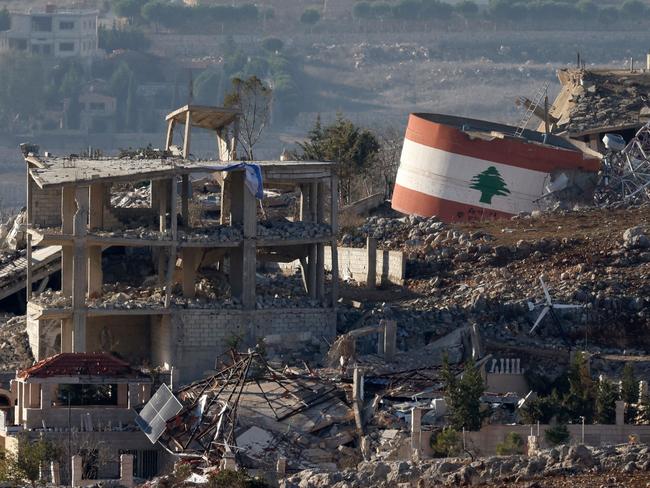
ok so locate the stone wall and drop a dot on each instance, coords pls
(484, 442)
(201, 336)
(353, 264)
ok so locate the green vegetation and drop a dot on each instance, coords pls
(352, 147)
(112, 39)
(5, 19)
(446, 443)
(23, 467)
(557, 435)
(629, 392)
(606, 397)
(512, 444)
(228, 478)
(311, 16)
(464, 396)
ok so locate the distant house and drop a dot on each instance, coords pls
(52, 33)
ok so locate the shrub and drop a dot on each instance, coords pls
(512, 444)
(557, 435)
(310, 16)
(446, 443)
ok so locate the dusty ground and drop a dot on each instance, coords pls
(603, 480)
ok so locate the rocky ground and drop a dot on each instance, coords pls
(487, 272)
(611, 466)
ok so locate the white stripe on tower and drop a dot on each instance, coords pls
(449, 176)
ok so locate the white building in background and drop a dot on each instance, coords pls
(52, 32)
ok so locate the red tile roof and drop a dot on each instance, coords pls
(81, 364)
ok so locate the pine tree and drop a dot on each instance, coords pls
(579, 401)
(606, 398)
(629, 391)
(489, 183)
(643, 410)
(464, 396)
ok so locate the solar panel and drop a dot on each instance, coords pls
(161, 407)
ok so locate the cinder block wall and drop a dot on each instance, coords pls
(201, 336)
(353, 263)
(46, 207)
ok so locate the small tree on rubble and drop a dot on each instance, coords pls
(253, 98)
(464, 395)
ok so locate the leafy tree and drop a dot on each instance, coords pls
(131, 121)
(119, 81)
(606, 397)
(163, 13)
(22, 89)
(629, 390)
(207, 87)
(24, 466)
(362, 10)
(464, 396)
(446, 443)
(253, 98)
(5, 19)
(633, 9)
(557, 435)
(541, 409)
(512, 444)
(467, 8)
(234, 479)
(128, 8)
(643, 410)
(113, 39)
(310, 16)
(353, 148)
(272, 44)
(579, 401)
(608, 15)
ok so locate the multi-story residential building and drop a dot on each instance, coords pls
(52, 33)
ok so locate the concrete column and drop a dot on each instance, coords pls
(533, 445)
(320, 248)
(371, 254)
(185, 200)
(171, 262)
(390, 339)
(334, 219)
(126, 470)
(77, 471)
(281, 467)
(162, 191)
(311, 270)
(28, 222)
(80, 271)
(95, 273)
(68, 209)
(96, 206)
(66, 335)
(188, 132)
(243, 258)
(357, 397)
(620, 412)
(416, 429)
(55, 473)
(170, 134)
(190, 257)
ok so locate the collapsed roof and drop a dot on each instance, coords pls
(600, 100)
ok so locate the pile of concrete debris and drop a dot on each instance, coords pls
(15, 352)
(285, 229)
(546, 464)
(130, 197)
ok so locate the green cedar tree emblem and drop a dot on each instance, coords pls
(489, 183)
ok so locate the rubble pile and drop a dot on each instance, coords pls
(261, 413)
(280, 291)
(394, 233)
(139, 197)
(12, 232)
(285, 229)
(141, 232)
(546, 464)
(212, 233)
(15, 352)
